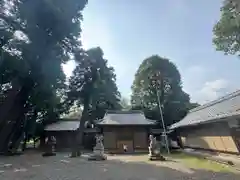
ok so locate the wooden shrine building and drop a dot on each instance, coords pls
(129, 129)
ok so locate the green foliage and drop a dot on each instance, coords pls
(73, 115)
(104, 92)
(227, 30)
(51, 35)
(192, 106)
(36, 38)
(159, 75)
(125, 104)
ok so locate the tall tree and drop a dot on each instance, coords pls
(43, 38)
(125, 104)
(193, 105)
(93, 87)
(227, 29)
(157, 79)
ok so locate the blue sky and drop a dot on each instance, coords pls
(128, 31)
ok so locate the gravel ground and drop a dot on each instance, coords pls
(60, 167)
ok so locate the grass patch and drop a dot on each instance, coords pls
(199, 163)
(30, 142)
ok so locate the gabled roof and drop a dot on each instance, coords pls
(223, 107)
(63, 126)
(125, 118)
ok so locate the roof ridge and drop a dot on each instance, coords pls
(218, 100)
(124, 112)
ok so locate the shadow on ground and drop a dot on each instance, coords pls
(35, 167)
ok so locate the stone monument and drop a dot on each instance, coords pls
(98, 150)
(154, 149)
(50, 143)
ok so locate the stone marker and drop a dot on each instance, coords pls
(50, 143)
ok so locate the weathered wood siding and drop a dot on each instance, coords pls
(109, 140)
(140, 140)
(64, 139)
(215, 136)
(135, 137)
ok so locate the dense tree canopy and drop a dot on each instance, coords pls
(192, 106)
(36, 38)
(159, 75)
(93, 87)
(104, 92)
(35, 42)
(227, 30)
(125, 104)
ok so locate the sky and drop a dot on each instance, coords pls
(129, 31)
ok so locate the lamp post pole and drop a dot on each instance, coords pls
(162, 120)
(158, 83)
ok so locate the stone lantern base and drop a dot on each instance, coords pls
(98, 151)
(95, 157)
(156, 157)
(154, 150)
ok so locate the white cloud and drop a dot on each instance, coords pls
(196, 73)
(202, 90)
(211, 90)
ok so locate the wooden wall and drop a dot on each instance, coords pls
(136, 136)
(215, 136)
(64, 139)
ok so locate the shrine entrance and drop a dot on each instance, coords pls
(125, 146)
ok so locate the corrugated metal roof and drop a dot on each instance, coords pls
(125, 118)
(226, 106)
(63, 126)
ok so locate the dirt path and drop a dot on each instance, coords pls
(60, 167)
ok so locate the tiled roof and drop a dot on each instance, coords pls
(226, 106)
(63, 126)
(125, 118)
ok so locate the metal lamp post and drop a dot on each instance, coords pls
(160, 109)
(162, 120)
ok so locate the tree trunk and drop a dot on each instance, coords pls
(34, 143)
(6, 135)
(7, 102)
(18, 135)
(9, 129)
(78, 143)
(24, 145)
(42, 142)
(13, 111)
